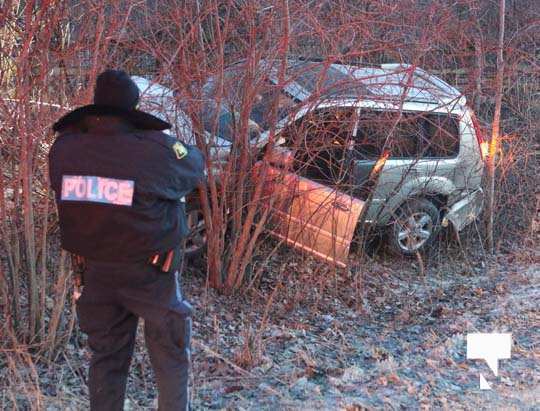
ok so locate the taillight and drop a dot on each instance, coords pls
(482, 143)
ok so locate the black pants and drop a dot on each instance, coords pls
(114, 297)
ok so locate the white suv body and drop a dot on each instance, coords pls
(433, 179)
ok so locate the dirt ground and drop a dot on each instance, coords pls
(324, 340)
(406, 349)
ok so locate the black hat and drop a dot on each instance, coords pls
(115, 94)
(115, 88)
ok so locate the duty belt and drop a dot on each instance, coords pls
(167, 261)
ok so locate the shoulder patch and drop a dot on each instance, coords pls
(179, 150)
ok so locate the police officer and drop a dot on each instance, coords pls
(118, 181)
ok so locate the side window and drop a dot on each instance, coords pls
(402, 134)
(320, 141)
(441, 136)
(406, 137)
(371, 134)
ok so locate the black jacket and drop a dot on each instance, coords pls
(118, 188)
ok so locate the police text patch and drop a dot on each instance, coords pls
(97, 189)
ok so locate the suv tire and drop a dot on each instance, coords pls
(414, 227)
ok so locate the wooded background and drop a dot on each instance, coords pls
(51, 52)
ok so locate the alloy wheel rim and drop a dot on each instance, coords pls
(414, 231)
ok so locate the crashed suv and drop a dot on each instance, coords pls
(392, 147)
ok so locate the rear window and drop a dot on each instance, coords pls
(411, 135)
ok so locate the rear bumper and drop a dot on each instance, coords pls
(465, 211)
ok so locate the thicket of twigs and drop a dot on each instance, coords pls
(52, 51)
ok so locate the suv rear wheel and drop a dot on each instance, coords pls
(415, 227)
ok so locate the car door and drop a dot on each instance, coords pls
(310, 212)
(310, 216)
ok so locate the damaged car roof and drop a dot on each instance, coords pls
(395, 82)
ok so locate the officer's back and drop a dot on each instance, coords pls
(118, 181)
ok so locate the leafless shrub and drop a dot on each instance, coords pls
(48, 64)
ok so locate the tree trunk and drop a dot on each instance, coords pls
(495, 134)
